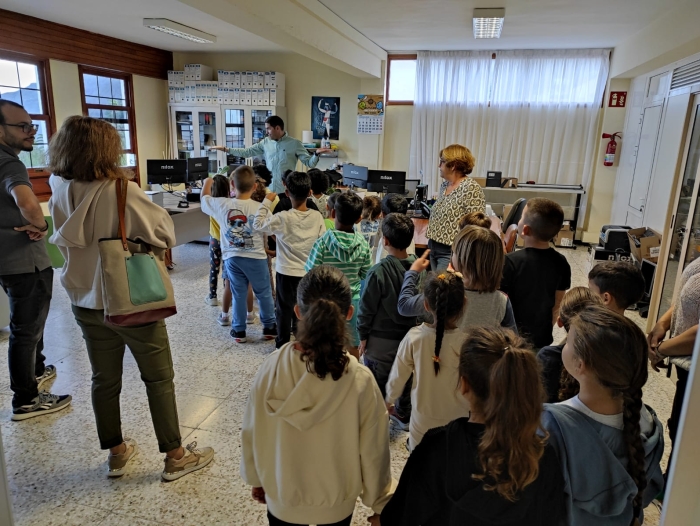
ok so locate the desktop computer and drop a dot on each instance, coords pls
(166, 171)
(386, 181)
(355, 176)
(197, 169)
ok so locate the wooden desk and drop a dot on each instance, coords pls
(191, 224)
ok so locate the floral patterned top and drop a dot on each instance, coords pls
(448, 209)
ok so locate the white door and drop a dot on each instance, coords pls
(645, 157)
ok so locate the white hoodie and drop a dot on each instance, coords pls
(315, 445)
(83, 213)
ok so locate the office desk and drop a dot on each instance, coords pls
(558, 193)
(191, 224)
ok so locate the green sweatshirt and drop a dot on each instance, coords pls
(379, 313)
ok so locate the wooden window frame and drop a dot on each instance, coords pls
(390, 59)
(39, 177)
(129, 108)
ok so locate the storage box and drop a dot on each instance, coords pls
(599, 254)
(481, 181)
(649, 244)
(247, 95)
(172, 90)
(180, 95)
(176, 78)
(265, 97)
(276, 97)
(236, 96)
(274, 79)
(565, 237)
(248, 80)
(198, 72)
(236, 81)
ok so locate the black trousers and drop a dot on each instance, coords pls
(285, 300)
(30, 297)
(274, 521)
(675, 418)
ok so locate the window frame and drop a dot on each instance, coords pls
(39, 177)
(129, 108)
(390, 59)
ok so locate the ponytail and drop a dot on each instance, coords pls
(324, 298)
(505, 377)
(615, 350)
(445, 295)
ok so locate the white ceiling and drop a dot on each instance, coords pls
(124, 19)
(441, 25)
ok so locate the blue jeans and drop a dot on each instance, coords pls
(440, 255)
(242, 271)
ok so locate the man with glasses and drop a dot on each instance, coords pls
(26, 275)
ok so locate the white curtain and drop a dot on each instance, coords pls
(530, 114)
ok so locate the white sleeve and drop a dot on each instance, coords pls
(401, 370)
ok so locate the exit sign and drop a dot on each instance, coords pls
(617, 99)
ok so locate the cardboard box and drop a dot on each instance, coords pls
(481, 181)
(565, 237)
(650, 246)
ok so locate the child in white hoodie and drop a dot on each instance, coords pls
(431, 353)
(311, 393)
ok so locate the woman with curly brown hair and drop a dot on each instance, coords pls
(84, 159)
(494, 467)
(459, 194)
(315, 431)
(608, 442)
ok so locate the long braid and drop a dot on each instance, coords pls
(632, 408)
(440, 315)
(568, 385)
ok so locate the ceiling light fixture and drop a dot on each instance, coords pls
(178, 30)
(488, 23)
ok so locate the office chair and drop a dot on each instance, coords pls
(516, 212)
(510, 238)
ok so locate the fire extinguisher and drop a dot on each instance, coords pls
(610, 150)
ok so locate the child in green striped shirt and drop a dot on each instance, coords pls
(347, 250)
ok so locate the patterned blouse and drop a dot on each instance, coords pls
(448, 209)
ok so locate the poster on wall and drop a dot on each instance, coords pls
(370, 114)
(325, 117)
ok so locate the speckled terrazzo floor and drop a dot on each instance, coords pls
(57, 471)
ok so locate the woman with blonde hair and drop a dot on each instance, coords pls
(84, 161)
(459, 194)
(494, 467)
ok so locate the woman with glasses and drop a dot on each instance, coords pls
(459, 195)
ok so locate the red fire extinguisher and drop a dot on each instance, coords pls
(610, 150)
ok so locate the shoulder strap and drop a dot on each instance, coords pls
(121, 186)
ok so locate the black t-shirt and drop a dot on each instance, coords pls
(531, 278)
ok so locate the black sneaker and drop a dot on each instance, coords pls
(238, 336)
(270, 333)
(49, 373)
(43, 404)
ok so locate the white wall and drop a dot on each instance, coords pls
(150, 103)
(304, 78)
(398, 121)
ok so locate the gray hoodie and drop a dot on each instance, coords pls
(593, 458)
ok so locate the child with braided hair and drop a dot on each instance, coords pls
(431, 353)
(608, 442)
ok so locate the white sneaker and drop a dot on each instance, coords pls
(212, 301)
(224, 319)
(250, 318)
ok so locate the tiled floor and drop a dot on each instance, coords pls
(57, 471)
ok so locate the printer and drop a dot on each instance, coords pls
(614, 237)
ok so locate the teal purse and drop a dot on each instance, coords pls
(136, 287)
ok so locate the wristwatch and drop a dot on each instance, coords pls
(46, 227)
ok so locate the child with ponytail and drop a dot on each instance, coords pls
(315, 432)
(431, 353)
(608, 442)
(494, 467)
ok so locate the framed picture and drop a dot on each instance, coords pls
(325, 117)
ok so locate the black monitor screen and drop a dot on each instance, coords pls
(386, 177)
(166, 171)
(358, 183)
(411, 186)
(385, 188)
(648, 271)
(350, 171)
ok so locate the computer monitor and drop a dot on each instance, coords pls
(355, 173)
(166, 171)
(648, 270)
(411, 186)
(421, 194)
(357, 183)
(197, 168)
(386, 181)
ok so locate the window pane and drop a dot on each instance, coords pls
(37, 158)
(105, 87)
(108, 114)
(90, 84)
(92, 100)
(42, 136)
(31, 100)
(118, 89)
(8, 73)
(128, 159)
(12, 94)
(402, 80)
(92, 112)
(28, 75)
(121, 115)
(106, 102)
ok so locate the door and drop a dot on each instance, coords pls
(184, 133)
(685, 234)
(208, 136)
(645, 157)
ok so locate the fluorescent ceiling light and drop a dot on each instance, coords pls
(178, 30)
(488, 23)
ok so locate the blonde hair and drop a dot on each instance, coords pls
(458, 158)
(86, 149)
(479, 257)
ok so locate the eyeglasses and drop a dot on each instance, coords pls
(26, 128)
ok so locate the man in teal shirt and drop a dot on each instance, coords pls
(280, 151)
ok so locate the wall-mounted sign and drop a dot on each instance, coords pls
(617, 99)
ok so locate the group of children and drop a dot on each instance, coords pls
(449, 355)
